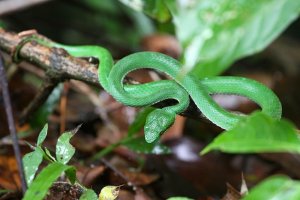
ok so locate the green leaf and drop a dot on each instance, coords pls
(157, 9)
(42, 135)
(89, 195)
(64, 150)
(276, 187)
(139, 121)
(214, 34)
(39, 187)
(154, 8)
(31, 162)
(49, 156)
(258, 133)
(139, 145)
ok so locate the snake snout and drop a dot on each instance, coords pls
(157, 122)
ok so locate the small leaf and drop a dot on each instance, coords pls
(31, 162)
(39, 187)
(109, 193)
(64, 150)
(276, 187)
(71, 174)
(42, 135)
(88, 195)
(139, 145)
(49, 156)
(258, 133)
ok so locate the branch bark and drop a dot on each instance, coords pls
(54, 60)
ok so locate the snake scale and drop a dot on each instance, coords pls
(179, 88)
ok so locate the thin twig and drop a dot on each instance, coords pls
(63, 107)
(46, 89)
(11, 123)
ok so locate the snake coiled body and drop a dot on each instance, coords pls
(180, 88)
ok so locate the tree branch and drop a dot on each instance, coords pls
(58, 61)
(53, 60)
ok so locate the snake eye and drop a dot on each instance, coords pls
(158, 121)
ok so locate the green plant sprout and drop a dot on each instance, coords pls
(39, 186)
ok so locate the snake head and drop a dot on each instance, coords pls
(157, 122)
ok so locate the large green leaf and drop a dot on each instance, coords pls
(215, 33)
(258, 133)
(39, 187)
(276, 188)
(31, 162)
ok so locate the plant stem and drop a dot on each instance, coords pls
(11, 124)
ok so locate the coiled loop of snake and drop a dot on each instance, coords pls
(180, 88)
(198, 90)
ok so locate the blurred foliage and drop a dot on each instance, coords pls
(214, 34)
(2, 24)
(154, 8)
(40, 117)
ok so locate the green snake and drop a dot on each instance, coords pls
(181, 88)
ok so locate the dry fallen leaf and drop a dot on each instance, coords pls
(109, 192)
